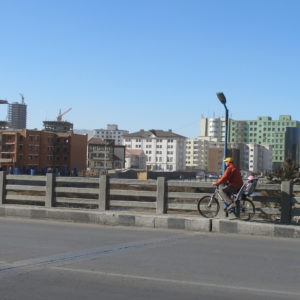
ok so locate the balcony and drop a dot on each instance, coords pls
(8, 143)
(6, 160)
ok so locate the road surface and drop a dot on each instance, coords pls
(42, 260)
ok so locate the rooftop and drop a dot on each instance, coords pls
(154, 133)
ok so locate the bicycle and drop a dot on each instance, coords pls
(209, 206)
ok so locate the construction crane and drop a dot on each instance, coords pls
(22, 96)
(59, 117)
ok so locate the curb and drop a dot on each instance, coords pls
(165, 221)
(112, 218)
(255, 228)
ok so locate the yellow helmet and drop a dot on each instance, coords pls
(228, 159)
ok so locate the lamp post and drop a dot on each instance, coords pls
(222, 99)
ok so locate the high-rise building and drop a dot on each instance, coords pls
(263, 131)
(213, 128)
(17, 115)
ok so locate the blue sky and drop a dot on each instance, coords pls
(150, 64)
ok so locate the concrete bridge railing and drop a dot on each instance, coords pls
(160, 196)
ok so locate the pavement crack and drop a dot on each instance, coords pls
(40, 262)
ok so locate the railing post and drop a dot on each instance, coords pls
(103, 192)
(50, 190)
(222, 214)
(162, 196)
(286, 202)
(2, 186)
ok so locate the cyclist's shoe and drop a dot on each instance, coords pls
(231, 207)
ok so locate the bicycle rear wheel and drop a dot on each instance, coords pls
(208, 207)
(246, 211)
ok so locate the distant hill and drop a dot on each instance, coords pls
(84, 131)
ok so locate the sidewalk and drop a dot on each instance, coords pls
(166, 221)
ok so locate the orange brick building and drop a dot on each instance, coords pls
(39, 150)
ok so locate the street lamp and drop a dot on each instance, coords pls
(222, 99)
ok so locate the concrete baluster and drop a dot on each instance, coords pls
(2, 186)
(286, 202)
(162, 196)
(103, 192)
(50, 190)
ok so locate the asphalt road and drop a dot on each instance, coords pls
(52, 260)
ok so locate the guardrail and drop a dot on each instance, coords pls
(159, 196)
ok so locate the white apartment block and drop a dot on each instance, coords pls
(197, 152)
(110, 133)
(135, 159)
(254, 158)
(213, 128)
(259, 158)
(164, 150)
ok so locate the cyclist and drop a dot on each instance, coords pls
(233, 180)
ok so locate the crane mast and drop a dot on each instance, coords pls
(60, 115)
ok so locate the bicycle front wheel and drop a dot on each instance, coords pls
(247, 210)
(208, 207)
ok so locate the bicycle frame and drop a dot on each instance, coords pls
(234, 197)
(219, 196)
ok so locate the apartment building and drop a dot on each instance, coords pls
(110, 133)
(105, 155)
(254, 158)
(263, 131)
(260, 158)
(135, 159)
(197, 152)
(165, 150)
(24, 150)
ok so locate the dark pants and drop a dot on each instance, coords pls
(227, 191)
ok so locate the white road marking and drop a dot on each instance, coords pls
(181, 282)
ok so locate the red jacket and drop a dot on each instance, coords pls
(231, 176)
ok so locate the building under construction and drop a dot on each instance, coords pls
(59, 125)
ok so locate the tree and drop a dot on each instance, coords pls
(288, 171)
